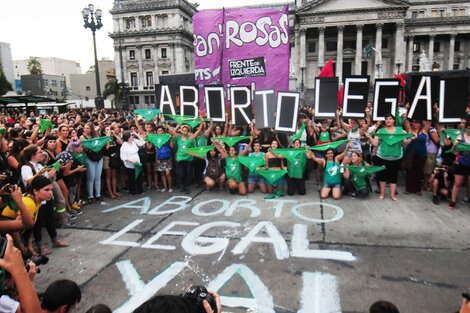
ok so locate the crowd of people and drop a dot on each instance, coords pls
(53, 165)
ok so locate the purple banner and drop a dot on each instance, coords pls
(242, 46)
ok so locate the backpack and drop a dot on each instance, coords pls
(213, 169)
(164, 153)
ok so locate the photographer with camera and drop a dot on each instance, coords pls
(195, 300)
(439, 182)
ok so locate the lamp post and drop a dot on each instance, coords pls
(92, 21)
(398, 64)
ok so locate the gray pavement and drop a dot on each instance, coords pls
(291, 254)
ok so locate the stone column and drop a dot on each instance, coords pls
(358, 61)
(399, 45)
(173, 58)
(139, 53)
(450, 65)
(409, 61)
(431, 50)
(303, 48)
(339, 54)
(378, 47)
(156, 70)
(321, 46)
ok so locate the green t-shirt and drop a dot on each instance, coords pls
(253, 154)
(324, 136)
(358, 181)
(332, 173)
(393, 151)
(182, 146)
(233, 169)
(201, 141)
(296, 167)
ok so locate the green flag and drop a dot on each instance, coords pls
(461, 146)
(12, 204)
(80, 157)
(299, 133)
(271, 175)
(454, 134)
(252, 162)
(148, 114)
(362, 170)
(55, 165)
(391, 139)
(137, 169)
(230, 141)
(158, 140)
(2, 131)
(199, 151)
(398, 118)
(96, 144)
(186, 119)
(329, 145)
(44, 125)
(290, 153)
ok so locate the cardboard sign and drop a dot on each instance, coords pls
(287, 111)
(215, 103)
(265, 102)
(241, 105)
(386, 94)
(326, 97)
(356, 91)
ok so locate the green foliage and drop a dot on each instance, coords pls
(34, 66)
(5, 85)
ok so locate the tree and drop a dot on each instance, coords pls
(34, 66)
(112, 88)
(5, 85)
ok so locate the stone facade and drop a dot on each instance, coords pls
(377, 38)
(152, 38)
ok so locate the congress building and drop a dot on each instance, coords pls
(363, 37)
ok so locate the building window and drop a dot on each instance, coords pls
(131, 54)
(149, 78)
(349, 44)
(88, 88)
(134, 82)
(54, 82)
(414, 14)
(162, 21)
(185, 23)
(434, 13)
(458, 11)
(165, 72)
(416, 47)
(437, 46)
(421, 13)
(384, 43)
(456, 66)
(134, 100)
(331, 46)
(312, 47)
(130, 23)
(149, 100)
(62, 84)
(148, 54)
(163, 53)
(45, 82)
(457, 46)
(146, 21)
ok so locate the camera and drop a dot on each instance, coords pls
(199, 294)
(37, 260)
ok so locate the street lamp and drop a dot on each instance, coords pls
(89, 14)
(398, 64)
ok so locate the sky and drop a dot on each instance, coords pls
(54, 28)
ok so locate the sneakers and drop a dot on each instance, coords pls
(353, 195)
(76, 206)
(72, 215)
(435, 200)
(451, 205)
(465, 200)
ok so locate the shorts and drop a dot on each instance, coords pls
(164, 165)
(256, 179)
(106, 162)
(462, 170)
(429, 164)
(331, 186)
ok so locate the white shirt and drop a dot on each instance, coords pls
(27, 172)
(130, 152)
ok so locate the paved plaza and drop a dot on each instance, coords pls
(290, 254)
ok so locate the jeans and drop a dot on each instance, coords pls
(94, 170)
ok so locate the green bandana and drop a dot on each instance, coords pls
(199, 151)
(290, 153)
(252, 162)
(96, 144)
(80, 157)
(353, 130)
(391, 139)
(361, 170)
(453, 133)
(186, 119)
(147, 114)
(2, 131)
(461, 146)
(230, 141)
(271, 175)
(137, 169)
(55, 165)
(299, 133)
(330, 145)
(158, 140)
(44, 125)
